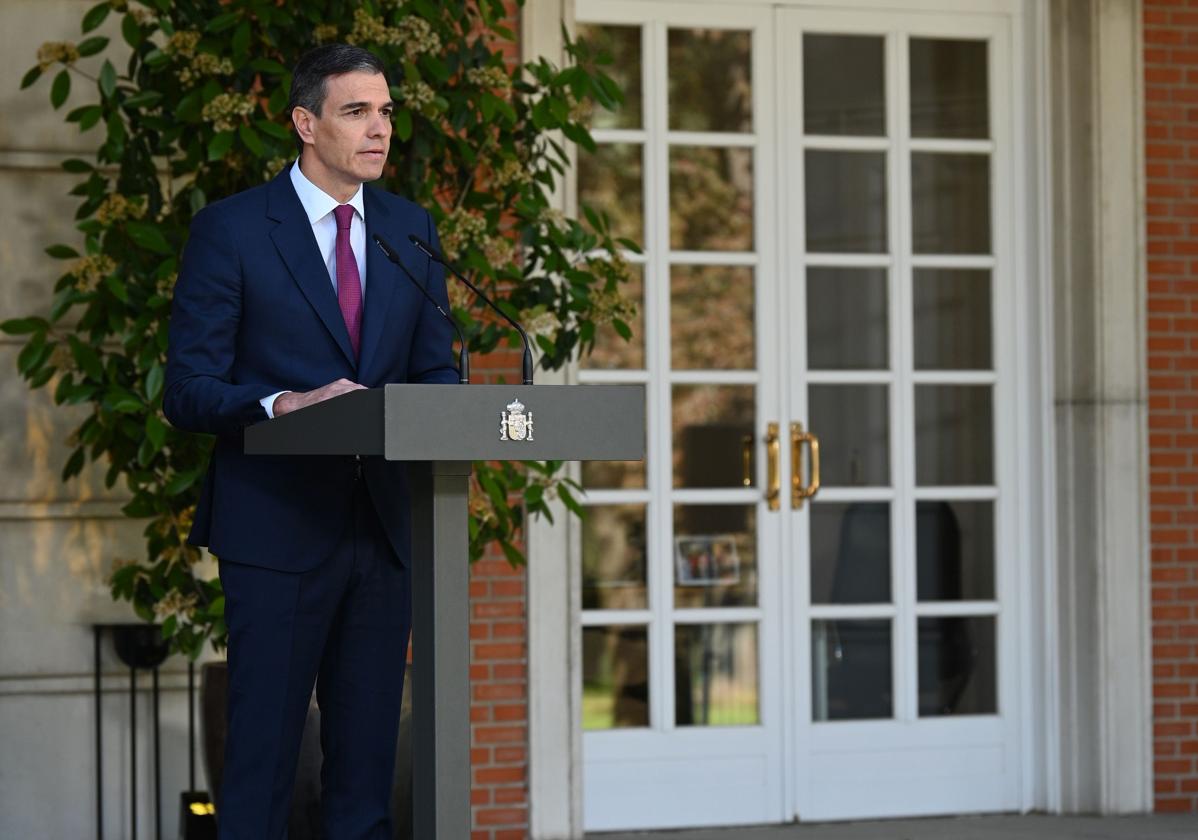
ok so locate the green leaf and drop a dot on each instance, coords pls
(156, 58)
(403, 124)
(170, 626)
(60, 89)
(95, 16)
(76, 166)
(33, 74)
(33, 355)
(241, 40)
(74, 465)
(117, 286)
(148, 235)
(86, 358)
(90, 116)
(23, 326)
(251, 139)
(143, 99)
(197, 200)
(131, 31)
(108, 79)
(155, 430)
(272, 129)
(154, 381)
(125, 403)
(220, 144)
(268, 65)
(62, 252)
(222, 22)
(91, 46)
(180, 482)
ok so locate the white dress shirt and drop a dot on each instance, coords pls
(319, 206)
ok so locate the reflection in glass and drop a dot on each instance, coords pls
(715, 555)
(715, 675)
(612, 350)
(954, 435)
(846, 318)
(949, 89)
(611, 181)
(846, 201)
(952, 319)
(613, 475)
(622, 44)
(615, 677)
(850, 553)
(843, 86)
(954, 551)
(613, 557)
(950, 203)
(711, 86)
(713, 429)
(851, 674)
(957, 666)
(711, 317)
(711, 199)
(853, 426)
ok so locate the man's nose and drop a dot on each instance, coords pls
(380, 126)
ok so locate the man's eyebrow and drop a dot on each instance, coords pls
(350, 106)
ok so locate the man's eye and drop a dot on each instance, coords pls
(356, 112)
(387, 112)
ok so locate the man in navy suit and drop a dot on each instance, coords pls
(281, 303)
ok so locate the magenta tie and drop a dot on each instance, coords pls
(349, 282)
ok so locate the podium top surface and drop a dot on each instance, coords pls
(465, 423)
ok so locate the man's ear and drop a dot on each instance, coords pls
(303, 119)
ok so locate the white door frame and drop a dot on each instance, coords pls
(1055, 780)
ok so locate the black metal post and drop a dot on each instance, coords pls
(191, 724)
(157, 764)
(96, 631)
(132, 754)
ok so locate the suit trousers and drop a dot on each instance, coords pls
(344, 625)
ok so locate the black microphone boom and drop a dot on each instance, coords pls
(437, 256)
(463, 354)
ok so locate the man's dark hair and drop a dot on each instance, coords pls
(310, 76)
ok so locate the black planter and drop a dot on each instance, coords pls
(304, 823)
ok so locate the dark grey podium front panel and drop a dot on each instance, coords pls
(562, 422)
(440, 429)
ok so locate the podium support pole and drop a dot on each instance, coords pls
(441, 650)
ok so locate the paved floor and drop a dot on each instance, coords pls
(1031, 827)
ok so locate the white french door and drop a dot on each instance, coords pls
(804, 603)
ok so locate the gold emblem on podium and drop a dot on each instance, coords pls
(514, 424)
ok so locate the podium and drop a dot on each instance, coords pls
(439, 430)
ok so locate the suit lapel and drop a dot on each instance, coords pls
(381, 280)
(297, 246)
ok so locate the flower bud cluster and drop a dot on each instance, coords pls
(512, 172)
(175, 603)
(90, 270)
(489, 77)
(460, 230)
(117, 208)
(52, 52)
(417, 36)
(324, 33)
(416, 95)
(205, 64)
(538, 321)
(226, 109)
(182, 43)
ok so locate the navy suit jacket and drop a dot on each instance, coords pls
(254, 313)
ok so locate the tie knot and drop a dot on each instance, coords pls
(344, 214)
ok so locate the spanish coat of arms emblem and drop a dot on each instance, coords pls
(514, 423)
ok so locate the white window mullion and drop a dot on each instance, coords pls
(903, 412)
(657, 216)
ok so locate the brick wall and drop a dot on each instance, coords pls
(1171, 129)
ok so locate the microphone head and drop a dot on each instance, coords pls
(387, 249)
(429, 250)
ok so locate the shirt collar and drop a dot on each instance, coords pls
(318, 203)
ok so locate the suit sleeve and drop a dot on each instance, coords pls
(200, 394)
(432, 341)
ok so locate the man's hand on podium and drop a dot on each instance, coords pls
(289, 401)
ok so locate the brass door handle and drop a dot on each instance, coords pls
(799, 491)
(773, 451)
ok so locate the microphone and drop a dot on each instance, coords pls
(463, 354)
(435, 255)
